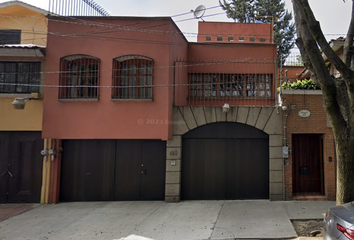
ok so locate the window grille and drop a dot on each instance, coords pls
(230, 86)
(132, 77)
(79, 77)
(20, 77)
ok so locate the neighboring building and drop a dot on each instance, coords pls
(23, 35)
(310, 170)
(138, 114)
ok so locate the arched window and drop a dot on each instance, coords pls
(132, 77)
(79, 75)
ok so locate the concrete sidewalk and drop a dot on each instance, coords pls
(189, 220)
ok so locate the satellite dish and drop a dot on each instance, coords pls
(199, 12)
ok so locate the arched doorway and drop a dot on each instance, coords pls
(225, 160)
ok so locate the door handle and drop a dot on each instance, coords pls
(11, 175)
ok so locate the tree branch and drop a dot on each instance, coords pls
(313, 58)
(348, 44)
(316, 31)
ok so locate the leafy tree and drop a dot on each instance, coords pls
(267, 11)
(241, 11)
(338, 93)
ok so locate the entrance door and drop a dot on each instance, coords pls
(307, 164)
(20, 166)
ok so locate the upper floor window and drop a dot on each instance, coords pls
(79, 77)
(132, 77)
(10, 37)
(20, 77)
(230, 85)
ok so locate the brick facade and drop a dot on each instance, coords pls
(316, 123)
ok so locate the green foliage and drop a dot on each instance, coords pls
(239, 10)
(265, 11)
(300, 85)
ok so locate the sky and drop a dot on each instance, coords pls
(334, 15)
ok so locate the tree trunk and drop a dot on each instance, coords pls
(338, 93)
(345, 169)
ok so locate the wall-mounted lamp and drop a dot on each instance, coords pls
(20, 103)
(226, 108)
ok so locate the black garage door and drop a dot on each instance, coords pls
(225, 161)
(108, 170)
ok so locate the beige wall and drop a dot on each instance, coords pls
(28, 119)
(32, 24)
(34, 31)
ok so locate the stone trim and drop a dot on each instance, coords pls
(302, 92)
(267, 119)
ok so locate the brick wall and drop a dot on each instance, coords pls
(316, 123)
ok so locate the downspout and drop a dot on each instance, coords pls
(285, 140)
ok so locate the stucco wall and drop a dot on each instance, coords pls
(33, 24)
(106, 118)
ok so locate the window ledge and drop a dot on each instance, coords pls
(78, 99)
(131, 100)
(15, 95)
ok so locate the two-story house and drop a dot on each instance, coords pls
(139, 113)
(23, 37)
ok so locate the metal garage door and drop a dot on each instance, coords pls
(108, 170)
(225, 161)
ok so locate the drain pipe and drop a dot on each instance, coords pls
(285, 147)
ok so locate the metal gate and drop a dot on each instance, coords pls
(307, 164)
(108, 170)
(20, 167)
(225, 161)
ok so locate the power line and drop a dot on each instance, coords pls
(191, 63)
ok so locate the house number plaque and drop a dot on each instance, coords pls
(304, 113)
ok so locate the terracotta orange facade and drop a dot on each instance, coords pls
(235, 32)
(125, 81)
(104, 118)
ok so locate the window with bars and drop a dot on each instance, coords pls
(132, 77)
(20, 77)
(79, 77)
(230, 85)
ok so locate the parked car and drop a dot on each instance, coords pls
(339, 222)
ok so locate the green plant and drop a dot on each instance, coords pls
(306, 84)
